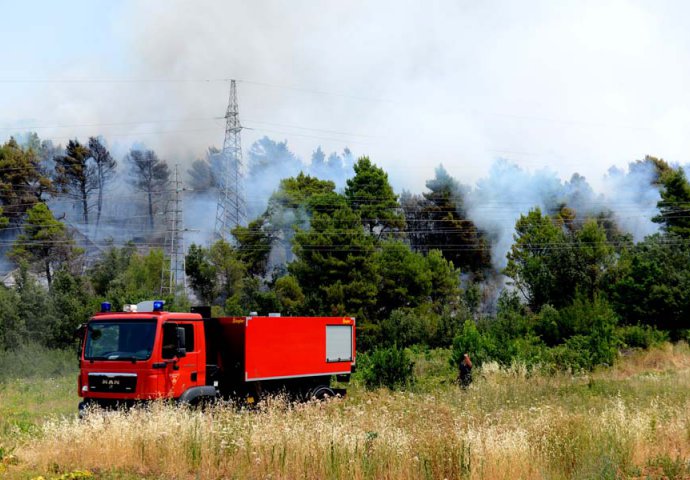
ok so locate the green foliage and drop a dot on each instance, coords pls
(387, 367)
(406, 327)
(438, 220)
(675, 199)
(22, 181)
(641, 336)
(109, 266)
(125, 276)
(200, 273)
(71, 305)
(33, 309)
(405, 277)
(551, 260)
(422, 325)
(370, 195)
(12, 327)
(289, 295)
(254, 245)
(591, 340)
(651, 284)
(334, 265)
(216, 274)
(470, 340)
(44, 241)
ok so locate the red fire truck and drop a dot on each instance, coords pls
(145, 353)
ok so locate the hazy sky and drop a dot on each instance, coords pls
(570, 86)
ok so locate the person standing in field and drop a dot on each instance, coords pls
(465, 371)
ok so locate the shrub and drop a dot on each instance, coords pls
(529, 350)
(389, 367)
(641, 336)
(573, 355)
(480, 347)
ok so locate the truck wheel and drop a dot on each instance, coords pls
(322, 392)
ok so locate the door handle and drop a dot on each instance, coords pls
(194, 376)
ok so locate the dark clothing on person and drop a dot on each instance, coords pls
(465, 375)
(465, 371)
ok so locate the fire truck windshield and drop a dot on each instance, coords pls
(120, 340)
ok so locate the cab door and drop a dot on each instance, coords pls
(187, 371)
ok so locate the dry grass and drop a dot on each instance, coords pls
(629, 421)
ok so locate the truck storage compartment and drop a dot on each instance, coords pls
(271, 348)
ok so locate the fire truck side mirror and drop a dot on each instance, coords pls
(79, 335)
(181, 343)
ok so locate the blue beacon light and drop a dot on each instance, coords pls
(158, 305)
(105, 307)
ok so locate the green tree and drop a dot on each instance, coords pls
(77, 175)
(22, 182)
(4, 221)
(334, 264)
(438, 220)
(12, 328)
(254, 245)
(289, 295)
(71, 304)
(200, 273)
(675, 200)
(291, 206)
(651, 283)
(594, 256)
(34, 318)
(111, 264)
(216, 274)
(140, 280)
(539, 259)
(555, 257)
(44, 241)
(445, 279)
(370, 195)
(404, 278)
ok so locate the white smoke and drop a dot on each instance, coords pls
(497, 201)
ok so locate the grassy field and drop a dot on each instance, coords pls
(629, 421)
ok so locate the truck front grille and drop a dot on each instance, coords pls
(113, 382)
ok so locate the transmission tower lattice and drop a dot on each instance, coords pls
(175, 242)
(231, 209)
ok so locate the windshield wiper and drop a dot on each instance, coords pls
(117, 358)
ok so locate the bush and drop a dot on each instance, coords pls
(641, 336)
(529, 350)
(388, 367)
(574, 355)
(480, 347)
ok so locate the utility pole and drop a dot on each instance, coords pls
(231, 208)
(176, 274)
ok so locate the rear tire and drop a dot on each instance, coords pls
(322, 392)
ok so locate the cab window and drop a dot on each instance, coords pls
(170, 339)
